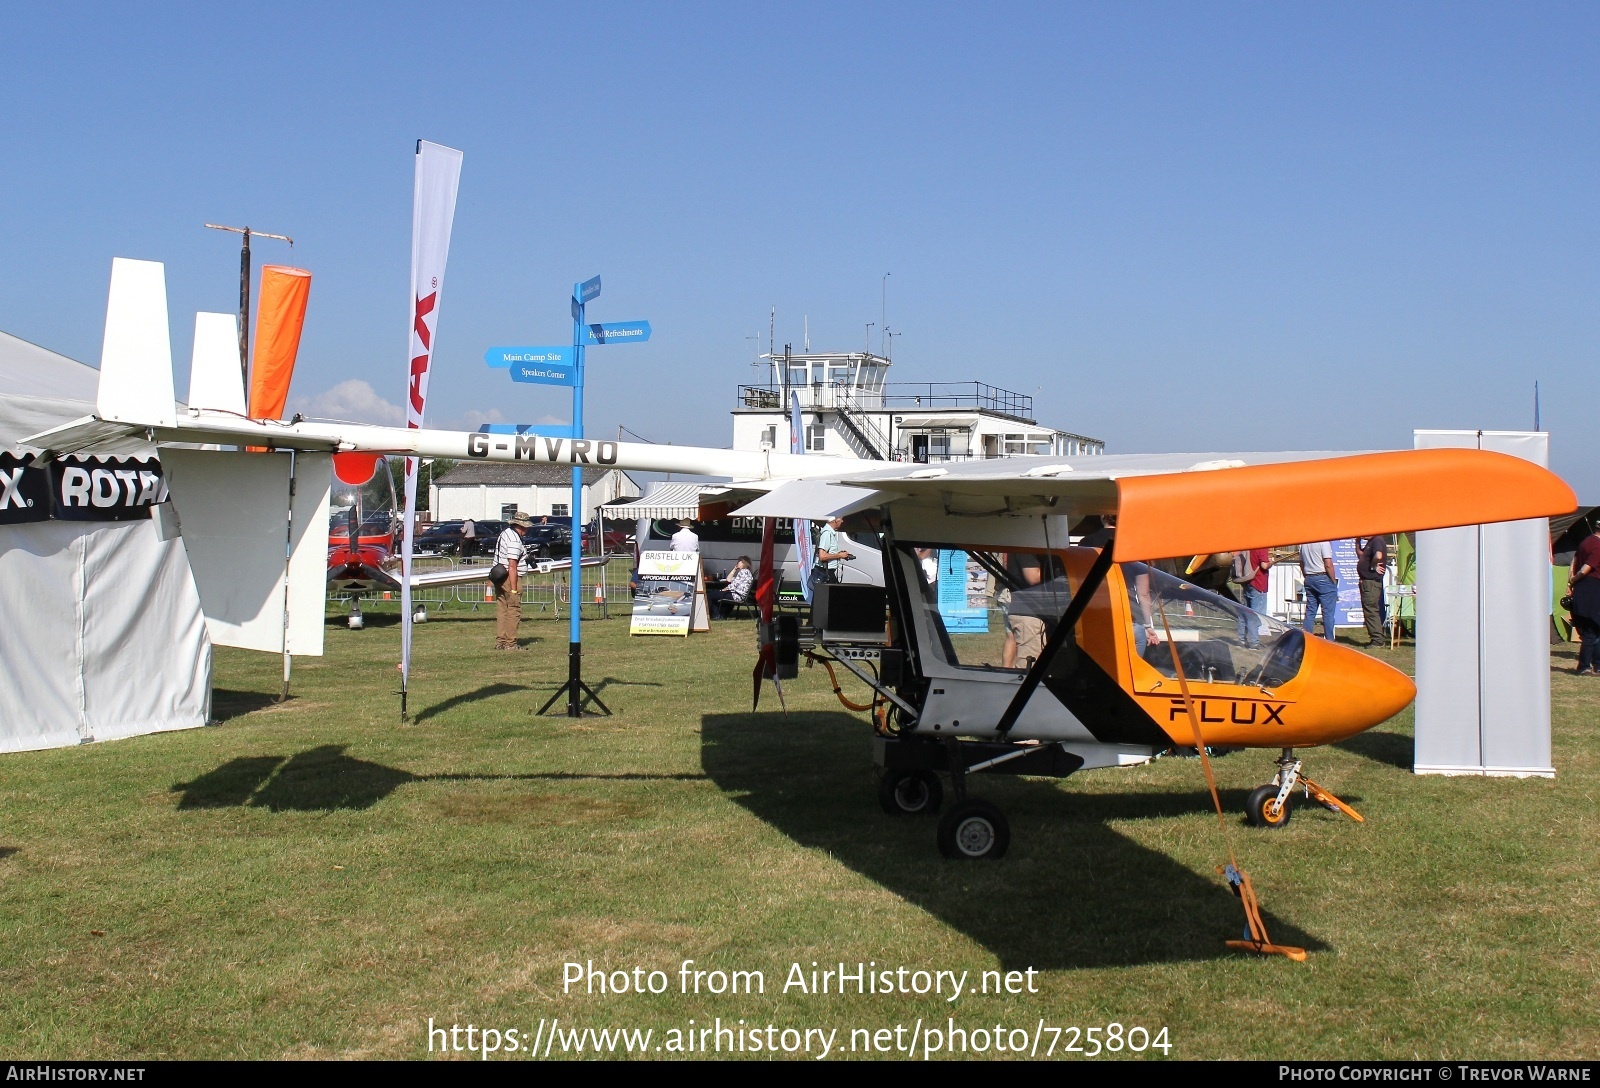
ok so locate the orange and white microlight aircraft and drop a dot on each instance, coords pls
(1136, 661)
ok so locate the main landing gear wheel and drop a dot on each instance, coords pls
(910, 793)
(1260, 808)
(974, 829)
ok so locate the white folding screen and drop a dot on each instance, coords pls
(1483, 614)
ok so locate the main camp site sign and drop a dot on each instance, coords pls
(73, 489)
(664, 603)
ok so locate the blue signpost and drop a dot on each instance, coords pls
(564, 366)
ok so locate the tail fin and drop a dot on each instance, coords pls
(215, 379)
(136, 359)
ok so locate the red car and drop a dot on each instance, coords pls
(616, 541)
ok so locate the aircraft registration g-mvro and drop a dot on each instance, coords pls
(1136, 661)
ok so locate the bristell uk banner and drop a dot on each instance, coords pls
(664, 603)
(433, 210)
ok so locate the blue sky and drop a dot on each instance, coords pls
(1180, 226)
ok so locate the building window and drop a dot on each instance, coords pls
(816, 436)
(560, 510)
(1018, 445)
(769, 437)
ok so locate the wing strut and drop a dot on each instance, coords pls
(1058, 638)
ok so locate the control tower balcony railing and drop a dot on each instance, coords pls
(895, 397)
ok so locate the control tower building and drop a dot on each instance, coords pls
(849, 408)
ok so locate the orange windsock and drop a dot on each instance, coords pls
(281, 316)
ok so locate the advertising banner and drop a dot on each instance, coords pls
(667, 599)
(433, 211)
(79, 489)
(802, 530)
(963, 593)
(1347, 613)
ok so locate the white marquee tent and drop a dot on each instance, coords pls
(101, 628)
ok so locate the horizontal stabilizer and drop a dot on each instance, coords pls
(136, 357)
(85, 435)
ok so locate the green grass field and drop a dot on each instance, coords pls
(315, 879)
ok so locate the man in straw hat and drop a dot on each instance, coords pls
(685, 539)
(508, 552)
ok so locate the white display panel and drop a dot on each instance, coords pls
(1483, 608)
(232, 511)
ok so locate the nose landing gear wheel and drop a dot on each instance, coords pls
(910, 793)
(974, 829)
(1259, 810)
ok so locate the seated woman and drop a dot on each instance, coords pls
(741, 579)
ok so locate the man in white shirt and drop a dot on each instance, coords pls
(831, 553)
(1322, 585)
(508, 551)
(685, 539)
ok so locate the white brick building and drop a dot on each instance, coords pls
(484, 489)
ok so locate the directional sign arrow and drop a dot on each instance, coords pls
(587, 291)
(539, 365)
(617, 332)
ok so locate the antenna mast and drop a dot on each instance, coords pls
(883, 312)
(244, 293)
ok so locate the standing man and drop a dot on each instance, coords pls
(1322, 586)
(1369, 569)
(831, 554)
(1024, 631)
(469, 538)
(508, 551)
(1583, 602)
(685, 539)
(1254, 563)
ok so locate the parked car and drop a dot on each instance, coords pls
(614, 541)
(444, 537)
(548, 541)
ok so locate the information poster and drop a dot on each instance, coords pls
(1347, 613)
(963, 593)
(664, 603)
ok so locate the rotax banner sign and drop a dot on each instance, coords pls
(88, 489)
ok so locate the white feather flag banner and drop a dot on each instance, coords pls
(432, 215)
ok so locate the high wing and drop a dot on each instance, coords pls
(1186, 504)
(1165, 504)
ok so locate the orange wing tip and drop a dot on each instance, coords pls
(1257, 506)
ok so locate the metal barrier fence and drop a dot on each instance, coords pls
(599, 588)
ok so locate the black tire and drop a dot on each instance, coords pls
(1255, 808)
(974, 830)
(910, 793)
